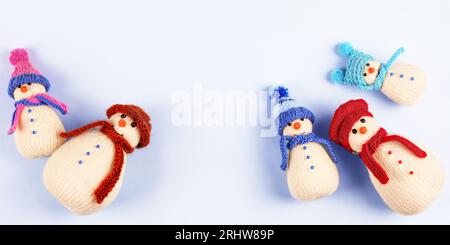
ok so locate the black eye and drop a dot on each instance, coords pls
(289, 124)
(123, 116)
(133, 124)
(367, 64)
(29, 84)
(19, 86)
(363, 120)
(354, 131)
(365, 74)
(302, 119)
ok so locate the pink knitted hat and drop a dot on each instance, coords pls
(24, 72)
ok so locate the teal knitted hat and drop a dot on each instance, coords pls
(357, 60)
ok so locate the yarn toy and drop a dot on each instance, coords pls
(407, 177)
(404, 84)
(35, 124)
(85, 174)
(308, 159)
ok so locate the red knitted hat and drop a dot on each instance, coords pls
(139, 116)
(344, 118)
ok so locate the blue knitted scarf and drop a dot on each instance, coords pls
(289, 142)
(382, 73)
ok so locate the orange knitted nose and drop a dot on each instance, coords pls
(297, 126)
(23, 89)
(122, 123)
(363, 130)
(371, 70)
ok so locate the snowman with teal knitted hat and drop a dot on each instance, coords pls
(308, 159)
(402, 83)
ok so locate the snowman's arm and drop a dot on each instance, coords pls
(83, 129)
(411, 146)
(327, 145)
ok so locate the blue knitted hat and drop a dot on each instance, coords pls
(357, 60)
(289, 110)
(24, 72)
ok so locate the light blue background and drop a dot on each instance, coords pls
(97, 53)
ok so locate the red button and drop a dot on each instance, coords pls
(389, 152)
(400, 161)
(411, 172)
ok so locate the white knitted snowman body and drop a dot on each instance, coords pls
(414, 182)
(404, 84)
(311, 173)
(37, 134)
(75, 170)
(86, 173)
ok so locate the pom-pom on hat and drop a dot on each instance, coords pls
(344, 118)
(289, 110)
(140, 117)
(24, 72)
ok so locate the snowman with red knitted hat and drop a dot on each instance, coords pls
(86, 173)
(35, 122)
(407, 176)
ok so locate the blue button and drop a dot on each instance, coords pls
(304, 147)
(33, 132)
(29, 110)
(312, 167)
(80, 162)
(401, 76)
(308, 157)
(97, 146)
(31, 120)
(412, 78)
(392, 74)
(88, 153)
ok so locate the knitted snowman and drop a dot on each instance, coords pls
(407, 177)
(35, 123)
(404, 84)
(308, 160)
(86, 173)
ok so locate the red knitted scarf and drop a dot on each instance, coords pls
(371, 146)
(120, 145)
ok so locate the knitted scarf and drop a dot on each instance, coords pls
(120, 145)
(384, 68)
(371, 146)
(289, 142)
(35, 100)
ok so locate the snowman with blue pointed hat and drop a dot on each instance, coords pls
(402, 83)
(308, 159)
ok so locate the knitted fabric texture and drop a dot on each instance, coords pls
(371, 146)
(24, 72)
(289, 110)
(36, 100)
(357, 60)
(120, 145)
(289, 142)
(344, 118)
(139, 116)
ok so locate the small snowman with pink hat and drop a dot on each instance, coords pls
(407, 176)
(35, 122)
